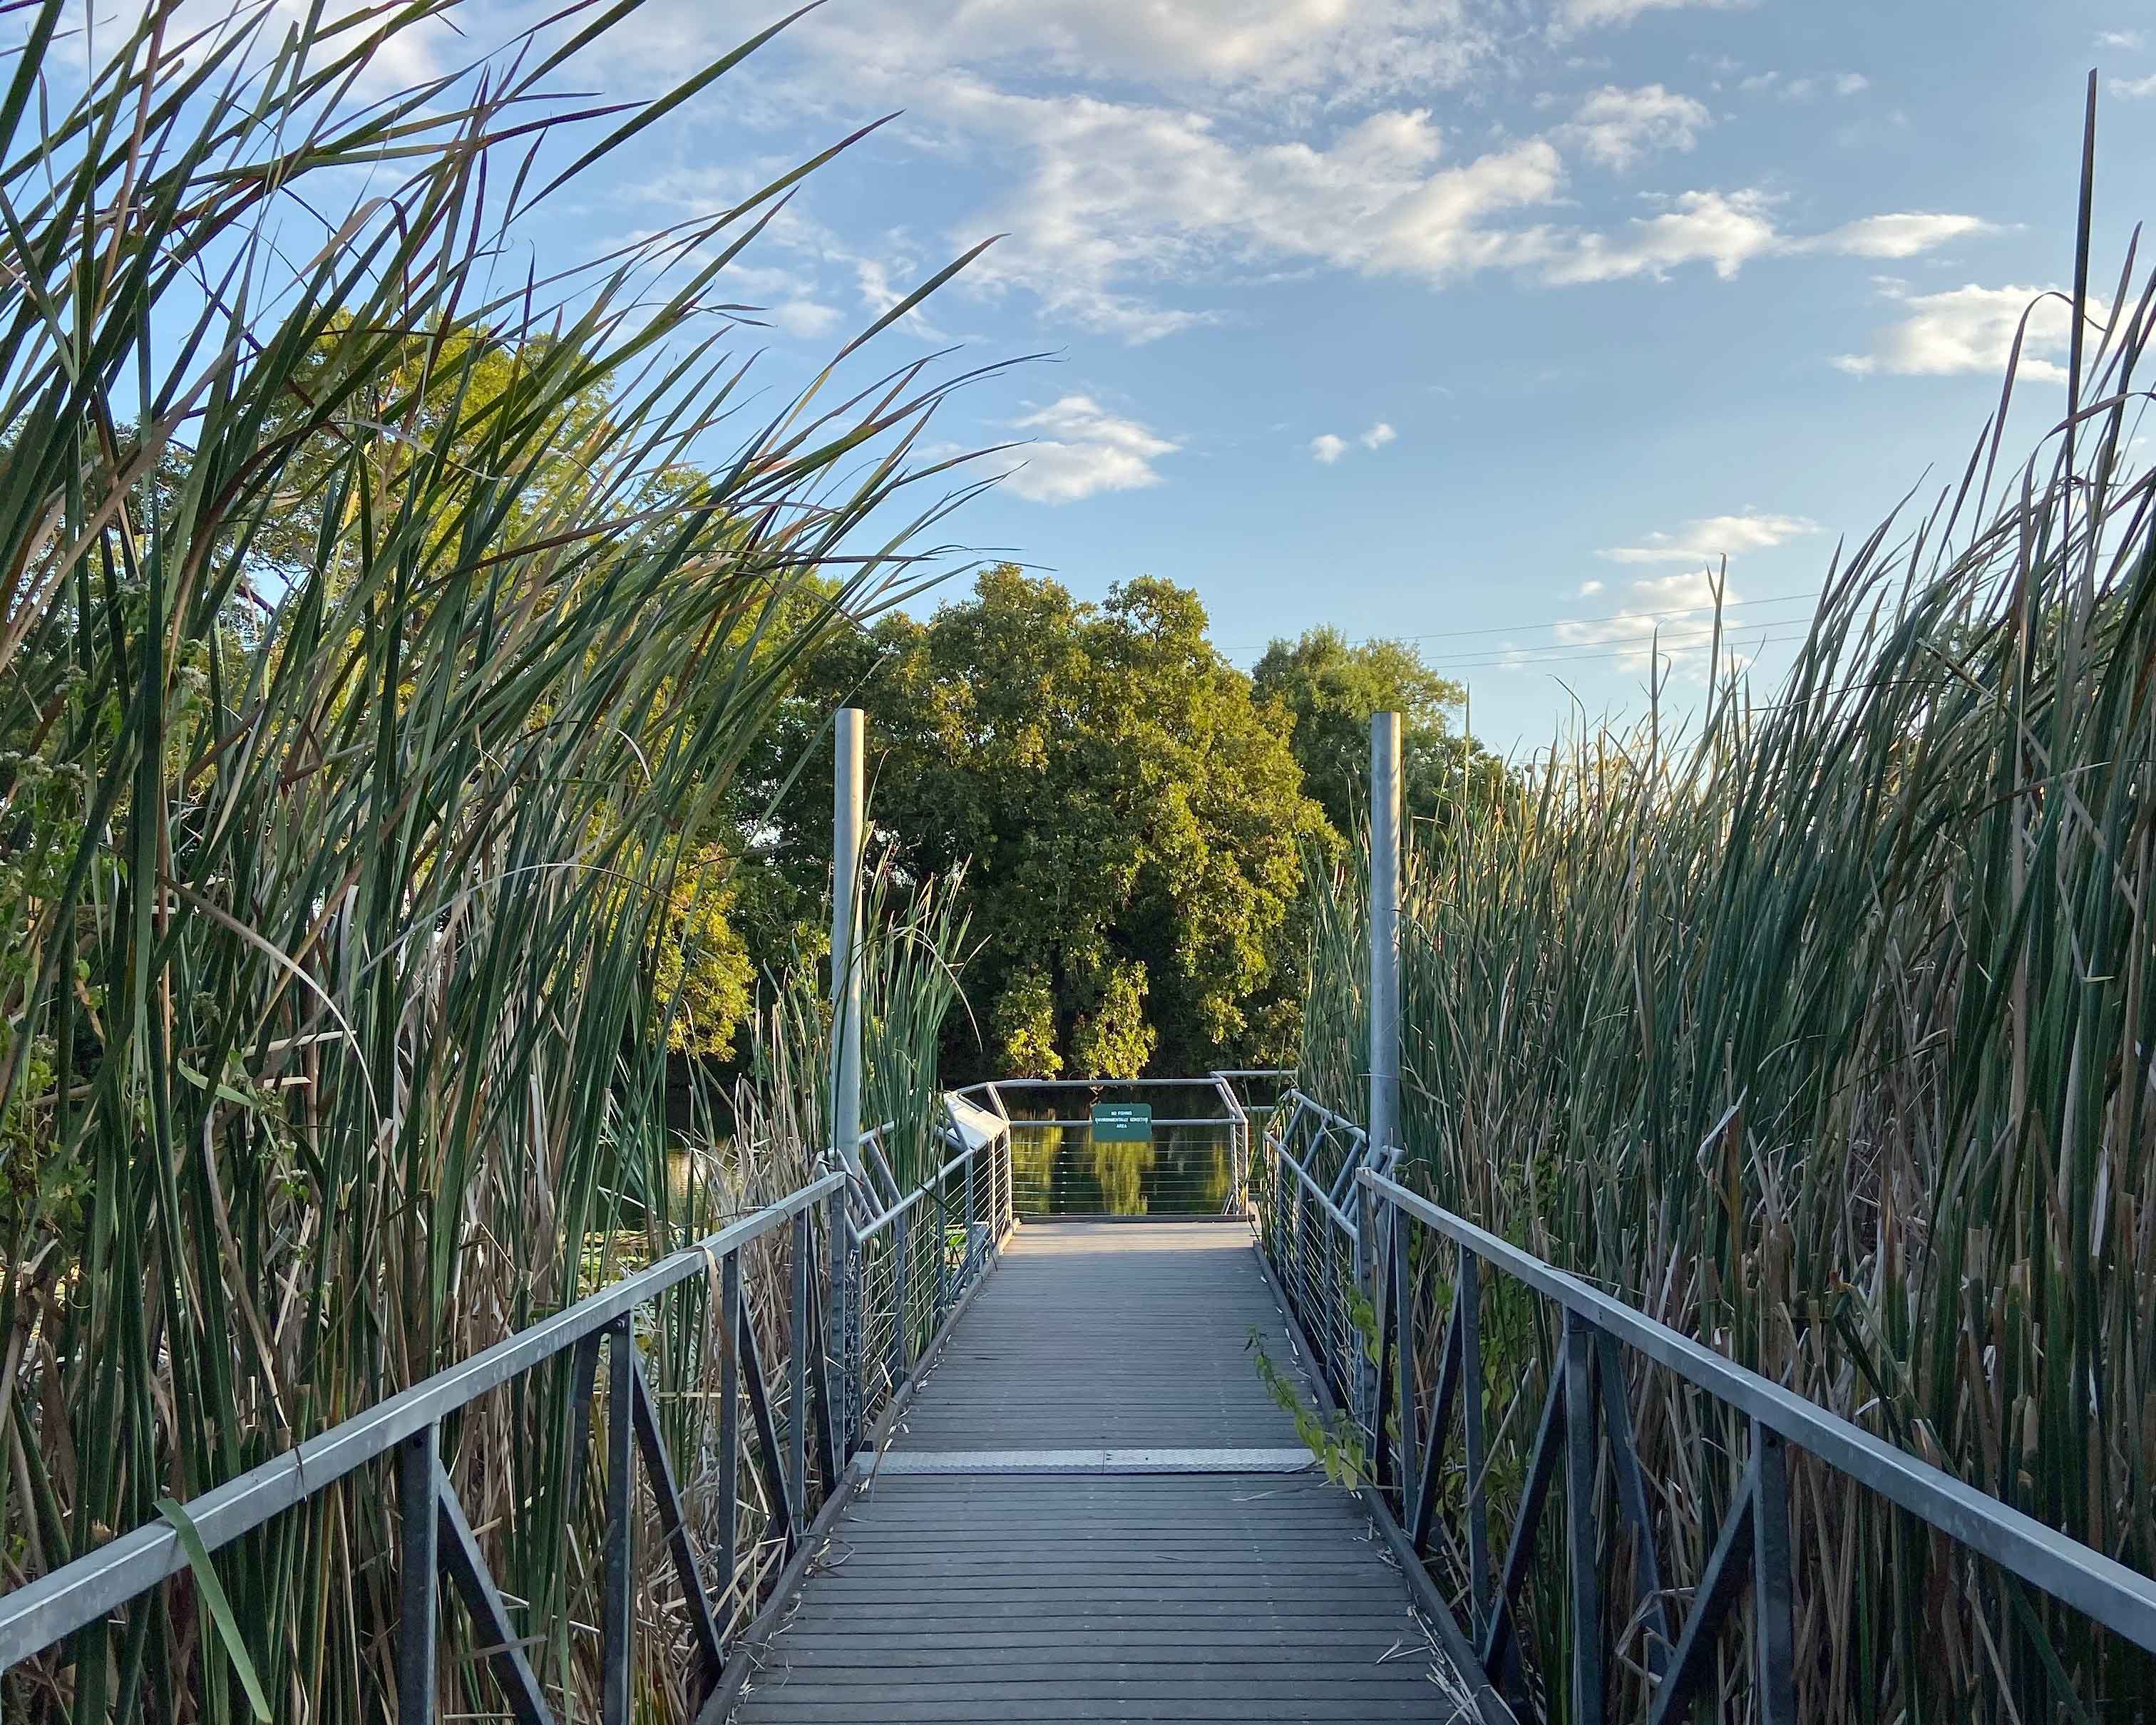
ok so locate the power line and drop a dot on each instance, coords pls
(1665, 639)
(1669, 635)
(1639, 644)
(1613, 617)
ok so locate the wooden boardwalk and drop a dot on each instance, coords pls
(1095, 1511)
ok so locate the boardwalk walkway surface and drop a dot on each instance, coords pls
(1095, 1511)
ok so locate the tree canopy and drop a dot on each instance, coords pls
(1131, 819)
(1330, 687)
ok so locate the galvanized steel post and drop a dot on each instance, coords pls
(1384, 932)
(845, 939)
(1384, 1013)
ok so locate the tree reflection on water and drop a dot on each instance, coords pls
(1060, 1171)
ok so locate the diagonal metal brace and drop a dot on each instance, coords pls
(1497, 1639)
(767, 1430)
(1632, 1501)
(1433, 1452)
(1728, 1571)
(467, 1568)
(659, 1469)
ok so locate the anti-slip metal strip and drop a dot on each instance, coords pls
(1121, 1460)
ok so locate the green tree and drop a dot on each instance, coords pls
(1330, 687)
(1132, 821)
(436, 415)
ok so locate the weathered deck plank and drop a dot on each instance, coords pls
(1069, 1596)
(1110, 1334)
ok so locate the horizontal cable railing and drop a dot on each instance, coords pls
(1435, 1472)
(907, 1268)
(735, 1475)
(1192, 1159)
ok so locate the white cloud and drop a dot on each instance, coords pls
(1327, 447)
(1589, 14)
(1903, 235)
(1120, 196)
(1968, 329)
(872, 282)
(1120, 210)
(1617, 127)
(2128, 39)
(1353, 49)
(1710, 538)
(397, 60)
(1724, 229)
(807, 319)
(2133, 89)
(1588, 589)
(1727, 230)
(1083, 449)
(784, 299)
(1803, 90)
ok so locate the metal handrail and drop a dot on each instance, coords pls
(882, 1269)
(1754, 1549)
(1096, 1083)
(1306, 1103)
(1233, 1118)
(878, 1223)
(1238, 1201)
(1157, 1122)
(41, 1612)
(435, 1538)
(1304, 1178)
(2099, 1587)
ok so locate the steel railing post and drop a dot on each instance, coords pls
(797, 1412)
(972, 1221)
(1583, 1538)
(1773, 1604)
(1469, 1297)
(1404, 1340)
(1298, 1258)
(419, 1512)
(836, 1398)
(617, 1618)
(729, 1489)
(942, 1246)
(857, 1329)
(902, 1343)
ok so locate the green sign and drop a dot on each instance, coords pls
(1123, 1123)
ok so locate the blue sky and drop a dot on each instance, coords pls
(1488, 325)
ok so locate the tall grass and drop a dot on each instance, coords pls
(1819, 1027)
(914, 944)
(377, 631)
(914, 948)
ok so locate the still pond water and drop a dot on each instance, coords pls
(1060, 1171)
